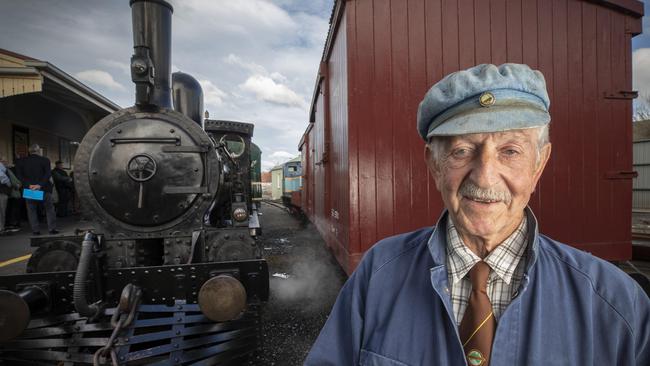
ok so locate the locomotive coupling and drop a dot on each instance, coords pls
(16, 310)
(222, 298)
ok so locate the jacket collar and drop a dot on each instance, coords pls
(438, 241)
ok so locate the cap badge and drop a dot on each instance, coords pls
(487, 99)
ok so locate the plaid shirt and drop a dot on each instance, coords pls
(506, 269)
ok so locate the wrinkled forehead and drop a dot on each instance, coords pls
(522, 136)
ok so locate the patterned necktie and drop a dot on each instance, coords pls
(478, 324)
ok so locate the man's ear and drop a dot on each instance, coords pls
(432, 164)
(544, 155)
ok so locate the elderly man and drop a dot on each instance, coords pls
(483, 286)
(34, 173)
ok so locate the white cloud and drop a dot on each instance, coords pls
(281, 155)
(250, 66)
(276, 76)
(275, 158)
(238, 18)
(641, 76)
(267, 165)
(99, 78)
(641, 70)
(212, 95)
(122, 66)
(268, 90)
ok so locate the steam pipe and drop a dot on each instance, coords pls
(79, 293)
(151, 61)
(187, 95)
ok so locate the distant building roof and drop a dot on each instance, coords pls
(22, 74)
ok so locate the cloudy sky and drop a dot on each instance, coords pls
(256, 59)
(641, 59)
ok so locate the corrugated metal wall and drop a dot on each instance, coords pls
(641, 184)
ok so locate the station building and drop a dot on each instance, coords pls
(40, 103)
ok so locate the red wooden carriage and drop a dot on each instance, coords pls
(365, 177)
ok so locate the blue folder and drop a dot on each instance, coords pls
(32, 195)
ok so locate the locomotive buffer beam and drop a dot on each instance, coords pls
(16, 308)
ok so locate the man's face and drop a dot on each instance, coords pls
(486, 179)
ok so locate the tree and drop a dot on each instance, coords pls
(641, 108)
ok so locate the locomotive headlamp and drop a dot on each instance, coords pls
(240, 214)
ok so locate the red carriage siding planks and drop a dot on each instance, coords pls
(338, 164)
(365, 117)
(350, 11)
(543, 206)
(466, 57)
(397, 49)
(560, 136)
(604, 121)
(420, 78)
(320, 220)
(498, 35)
(529, 32)
(382, 123)
(483, 42)
(576, 133)
(400, 101)
(514, 32)
(591, 100)
(450, 41)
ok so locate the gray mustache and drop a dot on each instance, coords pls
(470, 190)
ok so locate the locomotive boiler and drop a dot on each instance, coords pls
(168, 271)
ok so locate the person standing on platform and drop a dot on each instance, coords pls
(63, 185)
(5, 191)
(14, 204)
(34, 171)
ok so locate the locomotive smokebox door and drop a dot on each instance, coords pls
(156, 185)
(148, 171)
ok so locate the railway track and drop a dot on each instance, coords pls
(275, 204)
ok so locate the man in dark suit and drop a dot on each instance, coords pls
(34, 171)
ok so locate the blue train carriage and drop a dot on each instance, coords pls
(292, 184)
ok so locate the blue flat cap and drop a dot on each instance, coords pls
(485, 98)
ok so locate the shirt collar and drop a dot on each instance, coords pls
(459, 258)
(503, 260)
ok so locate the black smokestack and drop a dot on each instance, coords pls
(151, 61)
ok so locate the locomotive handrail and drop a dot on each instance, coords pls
(151, 140)
(185, 149)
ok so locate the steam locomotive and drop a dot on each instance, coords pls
(170, 272)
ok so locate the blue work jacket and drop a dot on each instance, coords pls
(571, 309)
